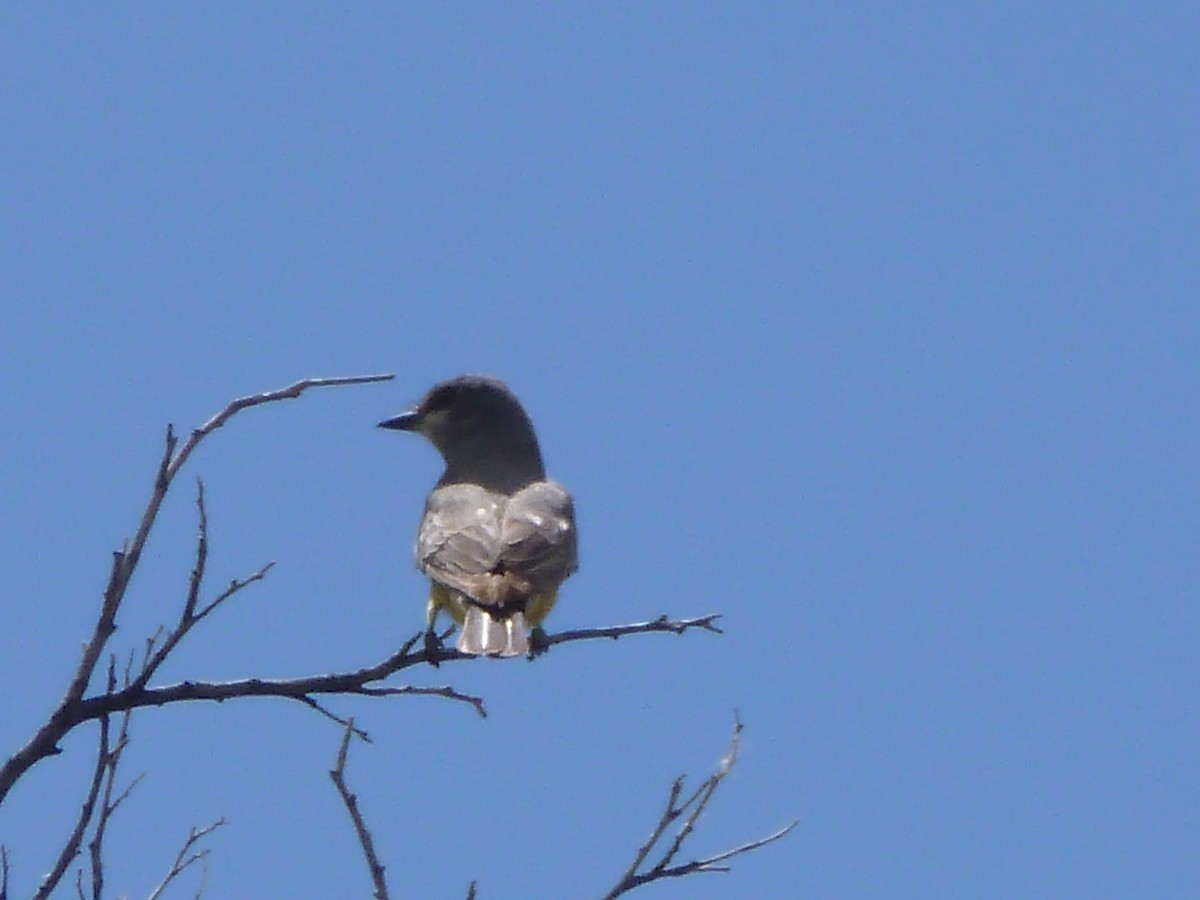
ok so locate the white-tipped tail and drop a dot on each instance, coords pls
(483, 635)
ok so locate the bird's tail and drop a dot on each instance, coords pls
(483, 635)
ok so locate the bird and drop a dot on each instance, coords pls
(497, 537)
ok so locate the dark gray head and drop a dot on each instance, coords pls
(481, 430)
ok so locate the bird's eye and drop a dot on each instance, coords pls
(439, 399)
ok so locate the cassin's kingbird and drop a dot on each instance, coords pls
(497, 537)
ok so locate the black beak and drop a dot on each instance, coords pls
(409, 421)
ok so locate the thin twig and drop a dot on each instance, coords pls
(193, 594)
(234, 586)
(190, 620)
(183, 860)
(188, 617)
(698, 802)
(360, 733)
(693, 807)
(3, 872)
(291, 392)
(668, 816)
(413, 691)
(707, 865)
(662, 623)
(109, 804)
(350, 801)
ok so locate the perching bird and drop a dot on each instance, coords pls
(497, 537)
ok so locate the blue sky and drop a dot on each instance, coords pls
(874, 329)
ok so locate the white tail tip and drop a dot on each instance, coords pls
(483, 635)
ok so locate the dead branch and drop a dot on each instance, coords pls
(185, 858)
(109, 804)
(661, 624)
(189, 617)
(692, 807)
(45, 740)
(361, 682)
(71, 848)
(350, 801)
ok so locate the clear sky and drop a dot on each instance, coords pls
(874, 328)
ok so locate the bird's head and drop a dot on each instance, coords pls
(476, 423)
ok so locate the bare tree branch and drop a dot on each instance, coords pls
(71, 848)
(189, 617)
(3, 872)
(291, 392)
(185, 858)
(350, 801)
(662, 623)
(45, 740)
(109, 804)
(362, 682)
(197, 579)
(692, 807)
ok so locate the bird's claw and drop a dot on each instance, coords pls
(538, 643)
(433, 648)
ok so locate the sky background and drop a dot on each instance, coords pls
(874, 329)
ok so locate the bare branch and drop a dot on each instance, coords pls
(109, 804)
(45, 740)
(693, 807)
(188, 620)
(234, 586)
(444, 691)
(71, 848)
(185, 857)
(707, 865)
(668, 816)
(3, 872)
(338, 776)
(193, 594)
(291, 392)
(360, 733)
(362, 682)
(662, 623)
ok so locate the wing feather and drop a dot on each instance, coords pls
(538, 534)
(460, 532)
(497, 549)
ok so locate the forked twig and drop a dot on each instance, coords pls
(185, 857)
(338, 775)
(635, 875)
